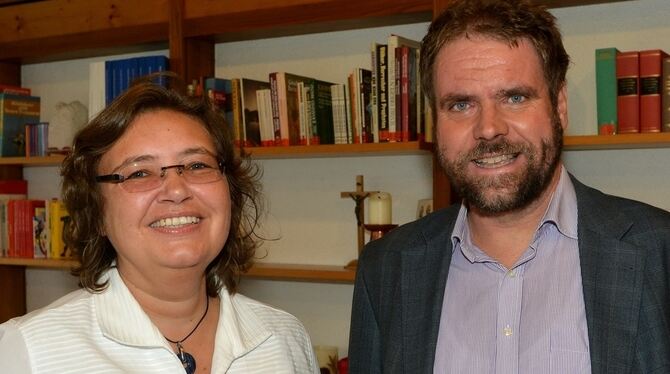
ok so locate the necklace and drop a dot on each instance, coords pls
(186, 358)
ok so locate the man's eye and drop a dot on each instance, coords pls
(460, 106)
(515, 99)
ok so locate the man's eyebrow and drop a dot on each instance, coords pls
(453, 98)
(526, 91)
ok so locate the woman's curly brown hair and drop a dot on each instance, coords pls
(83, 199)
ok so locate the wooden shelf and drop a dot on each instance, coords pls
(32, 161)
(63, 29)
(339, 150)
(282, 272)
(619, 141)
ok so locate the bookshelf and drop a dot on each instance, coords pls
(56, 31)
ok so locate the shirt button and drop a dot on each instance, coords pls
(507, 331)
(511, 273)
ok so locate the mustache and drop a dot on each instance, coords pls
(500, 146)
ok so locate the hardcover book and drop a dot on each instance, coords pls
(606, 90)
(628, 94)
(665, 99)
(651, 70)
(285, 107)
(393, 42)
(15, 112)
(249, 110)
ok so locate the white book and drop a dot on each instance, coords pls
(96, 88)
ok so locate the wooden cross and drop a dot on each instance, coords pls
(359, 197)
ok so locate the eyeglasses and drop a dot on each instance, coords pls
(142, 177)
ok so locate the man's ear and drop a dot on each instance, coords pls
(562, 106)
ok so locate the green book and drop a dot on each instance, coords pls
(606, 90)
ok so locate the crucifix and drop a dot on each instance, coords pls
(359, 197)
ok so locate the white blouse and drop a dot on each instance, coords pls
(108, 332)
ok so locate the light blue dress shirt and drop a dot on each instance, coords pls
(527, 319)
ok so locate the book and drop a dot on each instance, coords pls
(321, 111)
(265, 121)
(58, 218)
(285, 107)
(382, 94)
(249, 112)
(40, 232)
(15, 90)
(651, 70)
(606, 90)
(11, 189)
(220, 90)
(628, 94)
(665, 99)
(393, 42)
(120, 73)
(15, 112)
(374, 81)
(408, 95)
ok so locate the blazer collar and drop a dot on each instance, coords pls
(612, 278)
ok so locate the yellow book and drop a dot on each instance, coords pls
(57, 219)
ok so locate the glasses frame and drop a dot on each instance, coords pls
(118, 178)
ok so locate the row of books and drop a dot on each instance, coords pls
(30, 228)
(632, 91)
(19, 116)
(108, 79)
(382, 103)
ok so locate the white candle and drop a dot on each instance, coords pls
(379, 207)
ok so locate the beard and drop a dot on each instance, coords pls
(506, 192)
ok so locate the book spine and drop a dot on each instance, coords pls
(396, 130)
(374, 102)
(274, 96)
(382, 93)
(665, 99)
(606, 90)
(651, 64)
(628, 94)
(238, 127)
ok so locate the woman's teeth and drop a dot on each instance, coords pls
(175, 221)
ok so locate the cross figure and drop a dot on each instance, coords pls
(359, 210)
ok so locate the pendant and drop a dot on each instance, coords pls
(186, 359)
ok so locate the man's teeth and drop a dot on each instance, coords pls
(495, 161)
(175, 221)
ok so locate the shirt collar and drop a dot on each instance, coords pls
(123, 320)
(561, 211)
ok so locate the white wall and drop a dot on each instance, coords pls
(316, 226)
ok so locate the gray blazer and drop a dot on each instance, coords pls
(624, 250)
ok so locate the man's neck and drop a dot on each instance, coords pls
(506, 236)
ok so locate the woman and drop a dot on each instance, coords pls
(162, 219)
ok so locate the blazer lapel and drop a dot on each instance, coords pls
(424, 276)
(612, 277)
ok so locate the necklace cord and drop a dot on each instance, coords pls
(196, 326)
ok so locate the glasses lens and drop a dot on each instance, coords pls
(145, 177)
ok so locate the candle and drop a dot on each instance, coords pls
(379, 206)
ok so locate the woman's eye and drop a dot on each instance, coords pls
(197, 166)
(138, 174)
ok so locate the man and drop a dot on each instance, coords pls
(534, 272)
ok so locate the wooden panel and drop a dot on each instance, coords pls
(58, 26)
(261, 18)
(12, 292)
(10, 73)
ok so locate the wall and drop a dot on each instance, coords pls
(314, 224)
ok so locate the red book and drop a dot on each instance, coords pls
(628, 93)
(14, 90)
(651, 71)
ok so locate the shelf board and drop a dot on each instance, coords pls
(33, 161)
(282, 272)
(619, 141)
(571, 143)
(339, 150)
